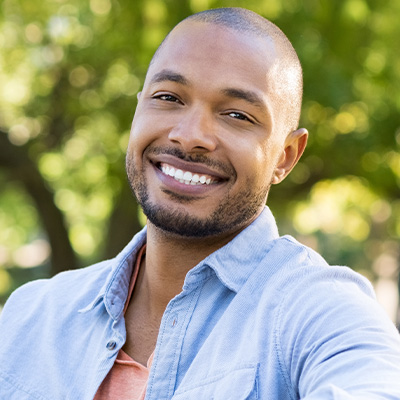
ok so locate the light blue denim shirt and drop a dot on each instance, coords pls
(262, 318)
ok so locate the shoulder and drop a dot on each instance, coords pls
(299, 266)
(68, 289)
(329, 324)
(315, 298)
(307, 291)
(312, 292)
(319, 302)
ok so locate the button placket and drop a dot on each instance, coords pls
(174, 320)
(165, 364)
(111, 345)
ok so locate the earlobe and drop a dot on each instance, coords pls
(279, 176)
(294, 147)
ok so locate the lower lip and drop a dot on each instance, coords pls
(183, 188)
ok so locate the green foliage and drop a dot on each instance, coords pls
(69, 74)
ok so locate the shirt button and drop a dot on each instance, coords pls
(111, 345)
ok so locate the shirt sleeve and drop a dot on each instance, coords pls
(335, 342)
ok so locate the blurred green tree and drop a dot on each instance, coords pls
(69, 74)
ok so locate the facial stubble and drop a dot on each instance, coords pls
(232, 214)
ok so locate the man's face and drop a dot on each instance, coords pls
(202, 149)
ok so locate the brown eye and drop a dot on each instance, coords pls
(240, 116)
(167, 97)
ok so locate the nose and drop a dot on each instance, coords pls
(195, 131)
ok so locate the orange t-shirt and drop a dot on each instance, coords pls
(127, 379)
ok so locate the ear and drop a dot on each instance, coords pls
(294, 147)
(138, 95)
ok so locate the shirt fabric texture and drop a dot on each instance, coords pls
(127, 379)
(264, 317)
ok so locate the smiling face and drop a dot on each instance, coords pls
(204, 149)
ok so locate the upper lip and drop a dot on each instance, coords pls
(191, 166)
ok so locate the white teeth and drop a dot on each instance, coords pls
(195, 178)
(185, 177)
(171, 171)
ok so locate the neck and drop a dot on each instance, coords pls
(169, 258)
(161, 276)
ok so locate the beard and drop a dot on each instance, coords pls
(233, 213)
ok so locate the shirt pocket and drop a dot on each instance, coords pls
(237, 384)
(10, 389)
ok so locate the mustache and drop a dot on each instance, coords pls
(193, 157)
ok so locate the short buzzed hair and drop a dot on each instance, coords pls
(288, 85)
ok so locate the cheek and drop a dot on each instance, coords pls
(138, 141)
(262, 166)
(141, 135)
(249, 165)
(147, 127)
(139, 128)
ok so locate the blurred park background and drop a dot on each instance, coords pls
(69, 74)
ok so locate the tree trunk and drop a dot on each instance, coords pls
(21, 168)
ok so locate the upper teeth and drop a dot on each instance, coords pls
(185, 176)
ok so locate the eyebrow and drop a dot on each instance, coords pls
(168, 75)
(246, 95)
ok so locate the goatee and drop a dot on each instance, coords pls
(232, 213)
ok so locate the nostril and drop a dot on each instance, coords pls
(193, 138)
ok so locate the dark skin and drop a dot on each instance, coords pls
(238, 131)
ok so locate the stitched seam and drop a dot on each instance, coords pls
(110, 283)
(15, 384)
(170, 389)
(257, 385)
(283, 368)
(155, 360)
(208, 275)
(218, 377)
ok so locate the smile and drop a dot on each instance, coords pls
(187, 177)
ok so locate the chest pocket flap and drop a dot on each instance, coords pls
(237, 384)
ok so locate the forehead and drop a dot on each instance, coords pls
(216, 53)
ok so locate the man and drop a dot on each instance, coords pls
(208, 301)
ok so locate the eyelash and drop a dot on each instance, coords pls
(240, 116)
(234, 114)
(163, 97)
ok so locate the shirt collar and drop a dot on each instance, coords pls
(234, 262)
(116, 287)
